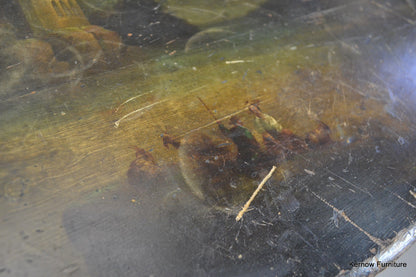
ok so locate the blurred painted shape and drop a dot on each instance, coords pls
(203, 13)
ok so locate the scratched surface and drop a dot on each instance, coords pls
(67, 208)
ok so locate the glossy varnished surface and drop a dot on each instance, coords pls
(67, 207)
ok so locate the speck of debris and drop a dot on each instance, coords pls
(23, 235)
(336, 215)
(240, 257)
(350, 140)
(70, 269)
(310, 172)
(401, 140)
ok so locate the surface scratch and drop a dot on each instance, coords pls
(401, 198)
(377, 241)
(212, 122)
(117, 123)
(350, 183)
(383, 7)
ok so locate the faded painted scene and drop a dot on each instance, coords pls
(206, 138)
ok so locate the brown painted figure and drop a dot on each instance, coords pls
(144, 168)
(217, 167)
